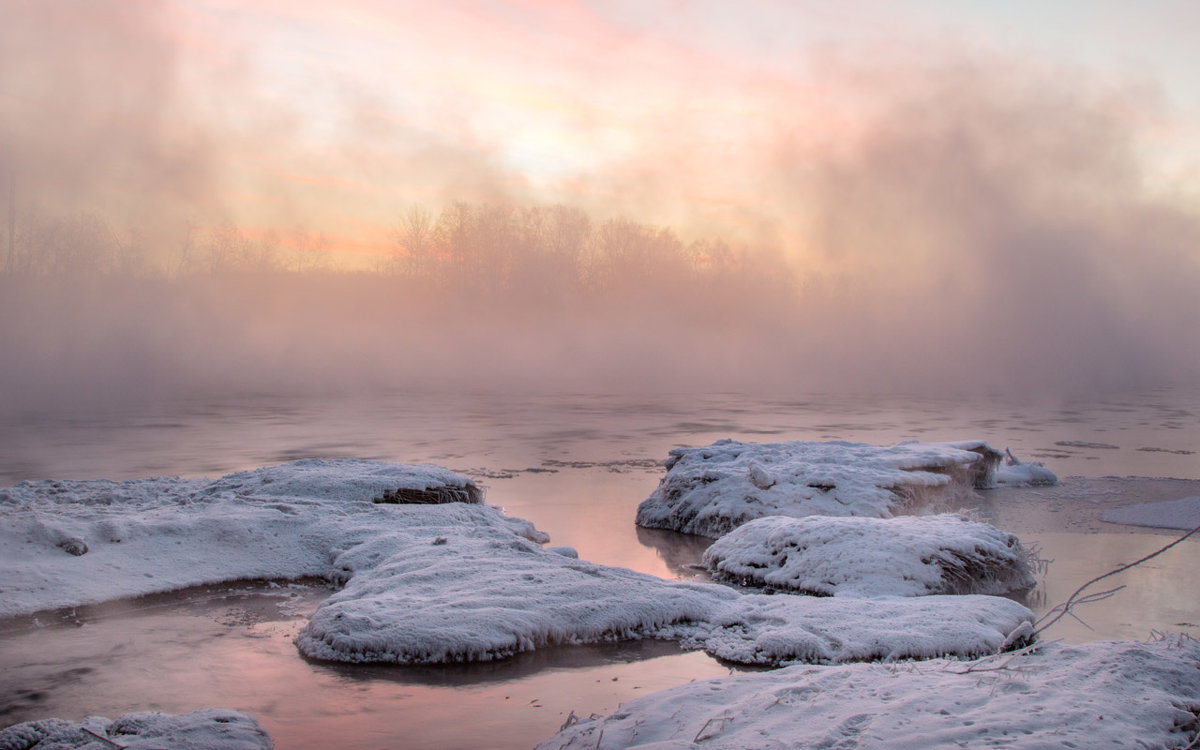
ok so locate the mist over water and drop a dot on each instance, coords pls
(971, 224)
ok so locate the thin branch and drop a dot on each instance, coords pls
(1064, 608)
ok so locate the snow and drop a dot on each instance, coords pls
(428, 583)
(713, 489)
(905, 556)
(1171, 514)
(478, 597)
(786, 629)
(152, 535)
(1017, 473)
(1098, 695)
(206, 729)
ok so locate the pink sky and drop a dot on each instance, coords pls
(710, 117)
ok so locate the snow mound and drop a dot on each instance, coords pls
(69, 543)
(786, 629)
(478, 597)
(905, 556)
(1098, 696)
(1171, 514)
(1017, 473)
(206, 729)
(424, 582)
(712, 490)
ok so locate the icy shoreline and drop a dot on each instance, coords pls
(485, 585)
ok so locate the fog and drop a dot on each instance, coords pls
(969, 224)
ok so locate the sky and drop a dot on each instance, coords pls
(1014, 183)
(705, 116)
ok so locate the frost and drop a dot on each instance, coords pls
(1099, 696)
(716, 488)
(905, 556)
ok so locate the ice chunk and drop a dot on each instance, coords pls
(1171, 514)
(905, 556)
(1017, 473)
(713, 489)
(206, 729)
(1097, 696)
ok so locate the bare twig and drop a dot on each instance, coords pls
(1063, 609)
(102, 738)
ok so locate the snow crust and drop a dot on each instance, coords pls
(1171, 514)
(206, 729)
(713, 489)
(68, 543)
(1098, 695)
(840, 556)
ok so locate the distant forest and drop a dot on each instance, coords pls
(474, 249)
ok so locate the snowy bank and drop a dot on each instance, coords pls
(838, 556)
(1099, 695)
(206, 729)
(1170, 514)
(712, 490)
(68, 543)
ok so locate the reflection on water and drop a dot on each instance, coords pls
(237, 650)
(577, 466)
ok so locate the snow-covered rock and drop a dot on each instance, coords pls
(1017, 473)
(477, 597)
(842, 556)
(482, 596)
(68, 543)
(429, 582)
(786, 629)
(206, 729)
(713, 489)
(1097, 696)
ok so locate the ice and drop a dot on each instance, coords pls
(785, 629)
(477, 597)
(904, 556)
(1017, 473)
(713, 489)
(151, 535)
(425, 583)
(1097, 696)
(1171, 514)
(206, 729)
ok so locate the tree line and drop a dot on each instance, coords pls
(464, 247)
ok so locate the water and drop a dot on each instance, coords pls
(577, 466)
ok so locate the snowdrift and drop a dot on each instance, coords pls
(206, 729)
(1099, 695)
(839, 556)
(711, 490)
